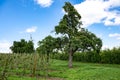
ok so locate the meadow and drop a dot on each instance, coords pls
(35, 67)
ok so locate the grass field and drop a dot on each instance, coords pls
(80, 71)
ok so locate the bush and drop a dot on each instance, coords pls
(79, 56)
(116, 55)
(105, 56)
(110, 56)
(86, 57)
(61, 56)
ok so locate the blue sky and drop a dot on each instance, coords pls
(20, 18)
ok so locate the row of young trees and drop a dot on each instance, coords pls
(22, 65)
(74, 38)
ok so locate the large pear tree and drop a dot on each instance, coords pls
(74, 38)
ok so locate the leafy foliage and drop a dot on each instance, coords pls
(105, 56)
(22, 46)
(110, 56)
(22, 65)
(46, 46)
(77, 38)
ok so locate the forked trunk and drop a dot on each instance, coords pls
(70, 59)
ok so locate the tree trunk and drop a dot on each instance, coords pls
(47, 57)
(70, 59)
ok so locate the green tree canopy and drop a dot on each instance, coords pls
(22, 46)
(76, 38)
(46, 46)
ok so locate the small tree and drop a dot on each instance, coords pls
(46, 46)
(22, 46)
(76, 38)
(30, 47)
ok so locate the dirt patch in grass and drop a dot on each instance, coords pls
(53, 78)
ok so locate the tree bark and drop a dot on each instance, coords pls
(47, 57)
(70, 59)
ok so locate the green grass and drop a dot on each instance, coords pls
(85, 71)
(81, 71)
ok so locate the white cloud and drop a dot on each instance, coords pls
(4, 46)
(44, 3)
(107, 47)
(116, 35)
(112, 19)
(32, 29)
(118, 38)
(97, 11)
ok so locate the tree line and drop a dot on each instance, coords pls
(105, 56)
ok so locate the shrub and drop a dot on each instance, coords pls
(110, 56)
(105, 56)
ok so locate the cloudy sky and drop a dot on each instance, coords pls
(22, 18)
